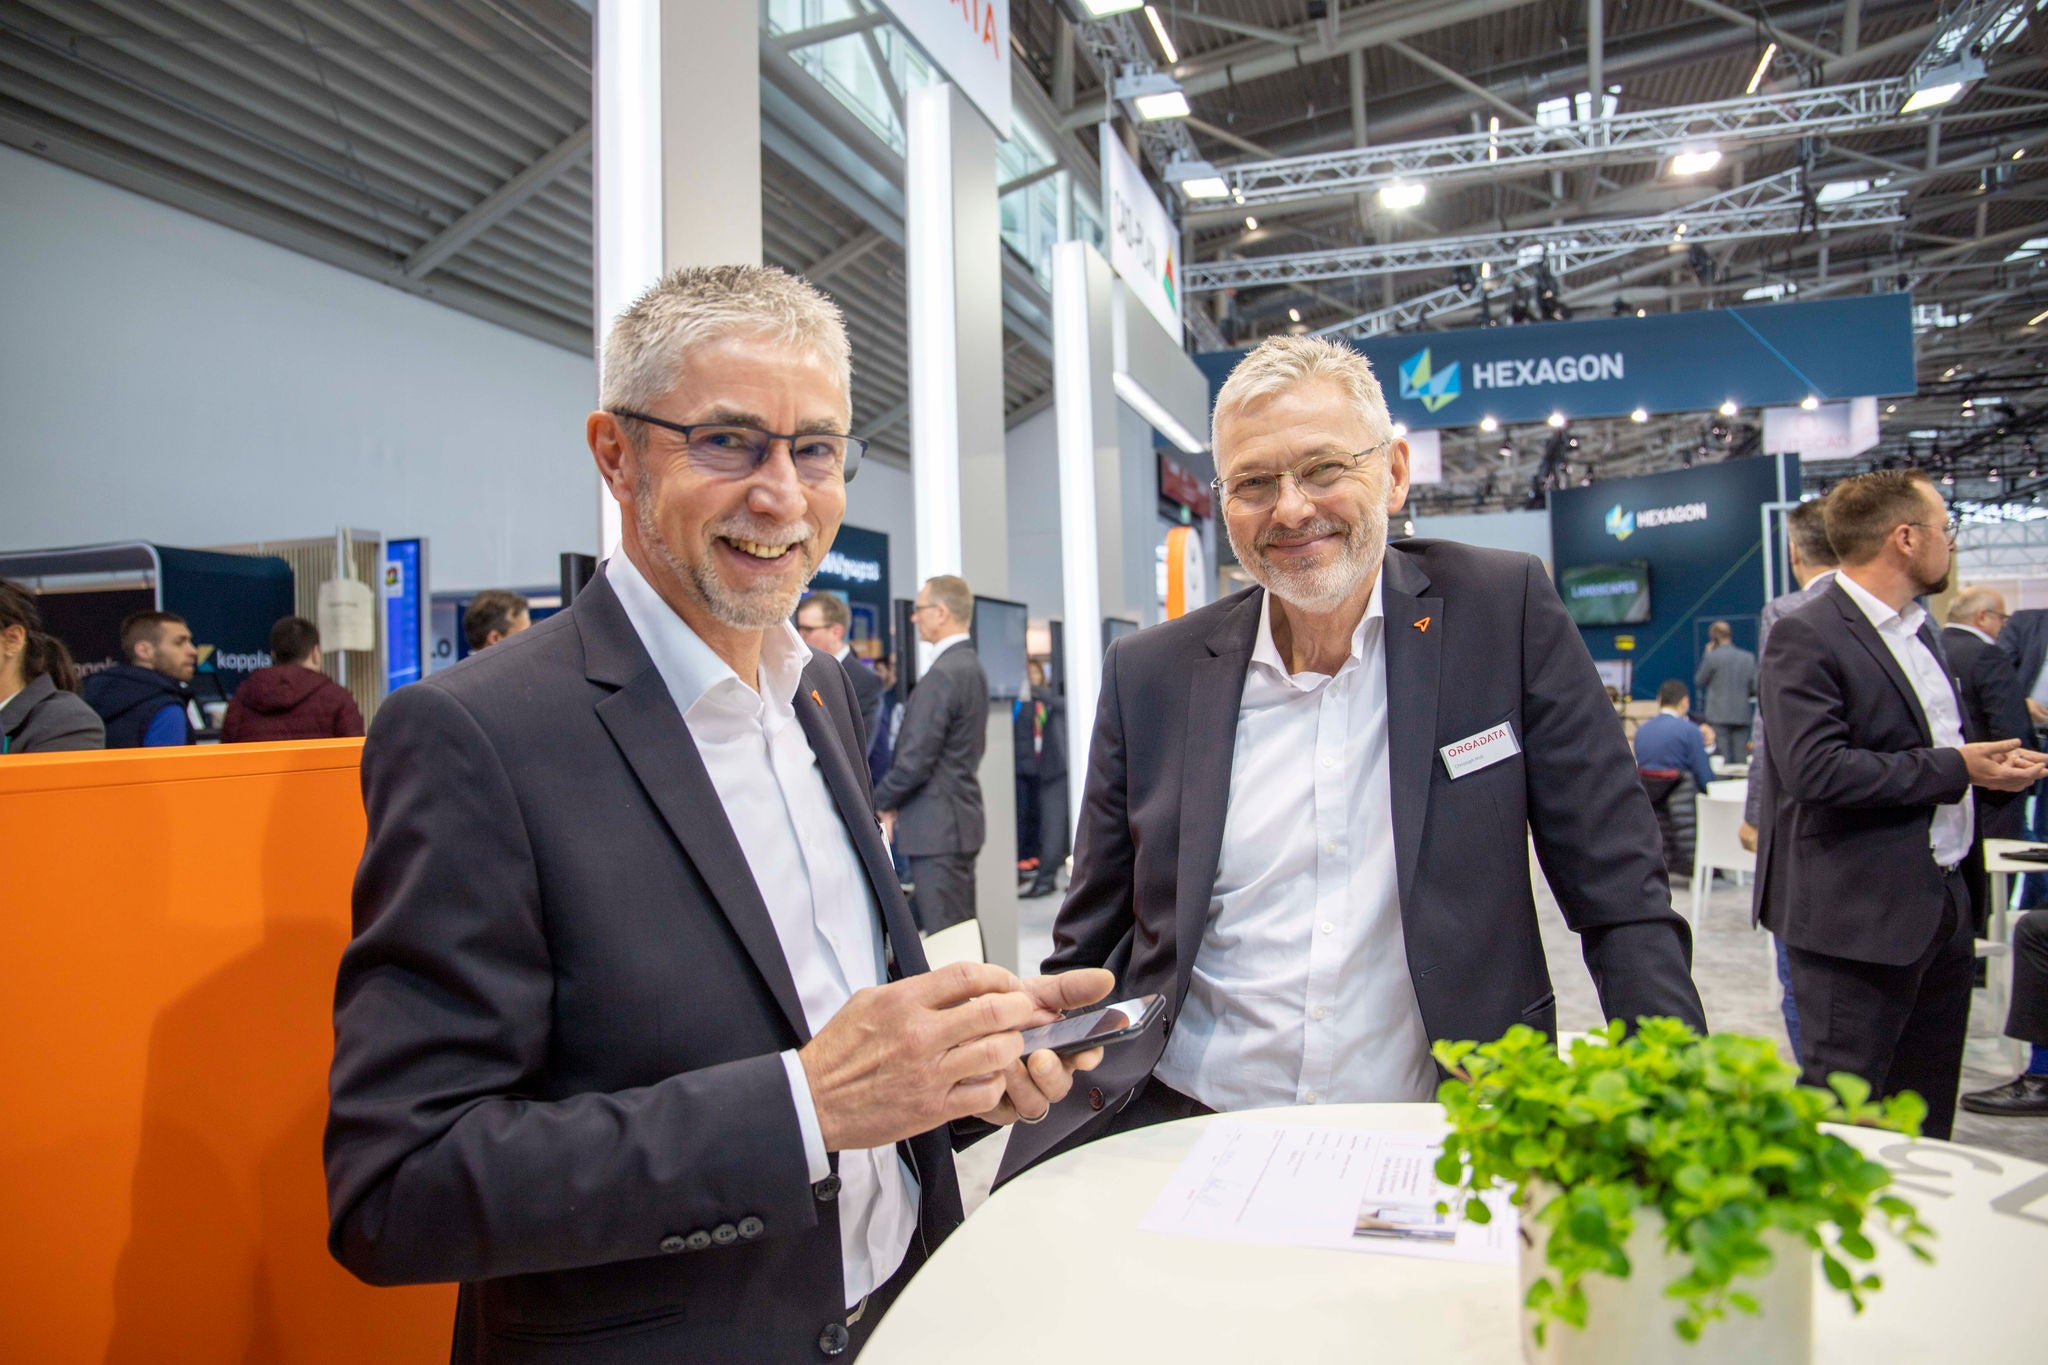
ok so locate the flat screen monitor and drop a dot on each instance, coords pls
(1607, 594)
(404, 598)
(999, 629)
(1114, 628)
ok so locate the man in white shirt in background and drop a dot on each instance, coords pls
(1308, 808)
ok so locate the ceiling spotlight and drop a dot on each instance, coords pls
(1159, 31)
(1155, 95)
(1728, 408)
(2018, 152)
(1810, 403)
(1486, 273)
(1556, 419)
(1931, 96)
(1890, 408)
(1639, 415)
(1695, 160)
(1756, 77)
(1402, 194)
(1400, 429)
(1489, 423)
(1251, 224)
(1947, 373)
(1949, 479)
(1099, 8)
(2035, 321)
(1642, 312)
(1196, 179)
(1294, 315)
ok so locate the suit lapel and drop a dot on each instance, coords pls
(643, 721)
(1414, 667)
(1874, 645)
(857, 811)
(1215, 690)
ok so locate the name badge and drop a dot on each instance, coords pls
(1482, 750)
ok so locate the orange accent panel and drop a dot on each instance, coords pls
(171, 920)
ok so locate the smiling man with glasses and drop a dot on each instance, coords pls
(635, 1037)
(1308, 807)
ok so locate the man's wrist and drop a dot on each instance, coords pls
(807, 1124)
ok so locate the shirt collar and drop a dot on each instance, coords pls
(1965, 625)
(841, 652)
(941, 646)
(691, 668)
(1267, 653)
(1880, 613)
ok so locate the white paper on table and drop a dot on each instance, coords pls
(1348, 1189)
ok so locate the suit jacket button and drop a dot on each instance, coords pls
(827, 1189)
(833, 1340)
(1095, 1097)
(751, 1227)
(725, 1234)
(672, 1243)
(699, 1240)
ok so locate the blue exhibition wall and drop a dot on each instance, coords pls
(1773, 354)
(856, 568)
(1701, 533)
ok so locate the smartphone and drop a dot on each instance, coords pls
(1097, 1027)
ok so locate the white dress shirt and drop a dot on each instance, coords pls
(939, 647)
(1301, 992)
(809, 874)
(1949, 834)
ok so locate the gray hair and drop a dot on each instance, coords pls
(649, 346)
(1972, 599)
(1282, 362)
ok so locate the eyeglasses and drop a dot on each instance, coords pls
(732, 452)
(1950, 528)
(1316, 477)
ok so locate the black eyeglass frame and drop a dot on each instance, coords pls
(856, 446)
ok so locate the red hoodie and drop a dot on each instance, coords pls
(290, 701)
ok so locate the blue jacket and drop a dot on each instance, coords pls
(1668, 741)
(140, 706)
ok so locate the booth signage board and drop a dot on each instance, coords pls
(1699, 531)
(230, 601)
(402, 602)
(1832, 431)
(1142, 240)
(89, 622)
(856, 570)
(1667, 362)
(969, 42)
(1182, 489)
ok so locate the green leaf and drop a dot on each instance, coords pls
(1853, 1089)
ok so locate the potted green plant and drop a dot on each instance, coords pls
(1698, 1162)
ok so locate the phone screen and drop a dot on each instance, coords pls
(1078, 1031)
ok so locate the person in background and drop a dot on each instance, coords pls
(1727, 686)
(146, 701)
(40, 709)
(1861, 857)
(888, 717)
(822, 619)
(291, 699)
(1048, 719)
(492, 615)
(2025, 638)
(1813, 564)
(931, 798)
(1994, 704)
(2026, 1020)
(1671, 762)
(1027, 720)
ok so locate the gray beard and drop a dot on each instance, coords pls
(757, 609)
(1327, 585)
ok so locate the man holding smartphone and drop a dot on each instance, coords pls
(1308, 808)
(635, 1038)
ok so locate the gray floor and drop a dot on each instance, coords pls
(1738, 985)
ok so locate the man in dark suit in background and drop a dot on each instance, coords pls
(1994, 706)
(1308, 806)
(931, 799)
(822, 619)
(1726, 682)
(2025, 638)
(634, 1038)
(1861, 856)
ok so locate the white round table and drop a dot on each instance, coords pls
(1054, 1267)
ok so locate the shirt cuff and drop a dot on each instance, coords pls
(807, 1118)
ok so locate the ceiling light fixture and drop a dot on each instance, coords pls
(1695, 160)
(1402, 194)
(1728, 408)
(1639, 416)
(1810, 403)
(2035, 321)
(1493, 139)
(1251, 224)
(1556, 420)
(1159, 32)
(1642, 312)
(1489, 423)
(1154, 95)
(1196, 179)
(1401, 429)
(1294, 315)
(1098, 9)
(1756, 77)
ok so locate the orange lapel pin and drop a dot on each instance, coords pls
(1423, 624)
(816, 698)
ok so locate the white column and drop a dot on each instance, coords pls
(954, 270)
(655, 170)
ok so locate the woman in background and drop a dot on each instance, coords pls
(40, 709)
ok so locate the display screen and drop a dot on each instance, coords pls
(1607, 594)
(999, 631)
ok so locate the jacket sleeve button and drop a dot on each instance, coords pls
(725, 1234)
(751, 1227)
(699, 1240)
(671, 1244)
(1095, 1097)
(827, 1189)
(833, 1340)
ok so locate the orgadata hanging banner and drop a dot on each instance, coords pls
(1666, 362)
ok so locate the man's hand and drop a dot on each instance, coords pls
(915, 1054)
(1746, 836)
(1033, 1085)
(888, 818)
(2037, 711)
(1706, 734)
(2003, 766)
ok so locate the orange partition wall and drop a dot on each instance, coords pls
(170, 923)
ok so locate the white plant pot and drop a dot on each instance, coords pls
(1629, 1322)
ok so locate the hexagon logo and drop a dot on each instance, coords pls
(1434, 389)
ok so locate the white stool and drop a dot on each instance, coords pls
(1717, 844)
